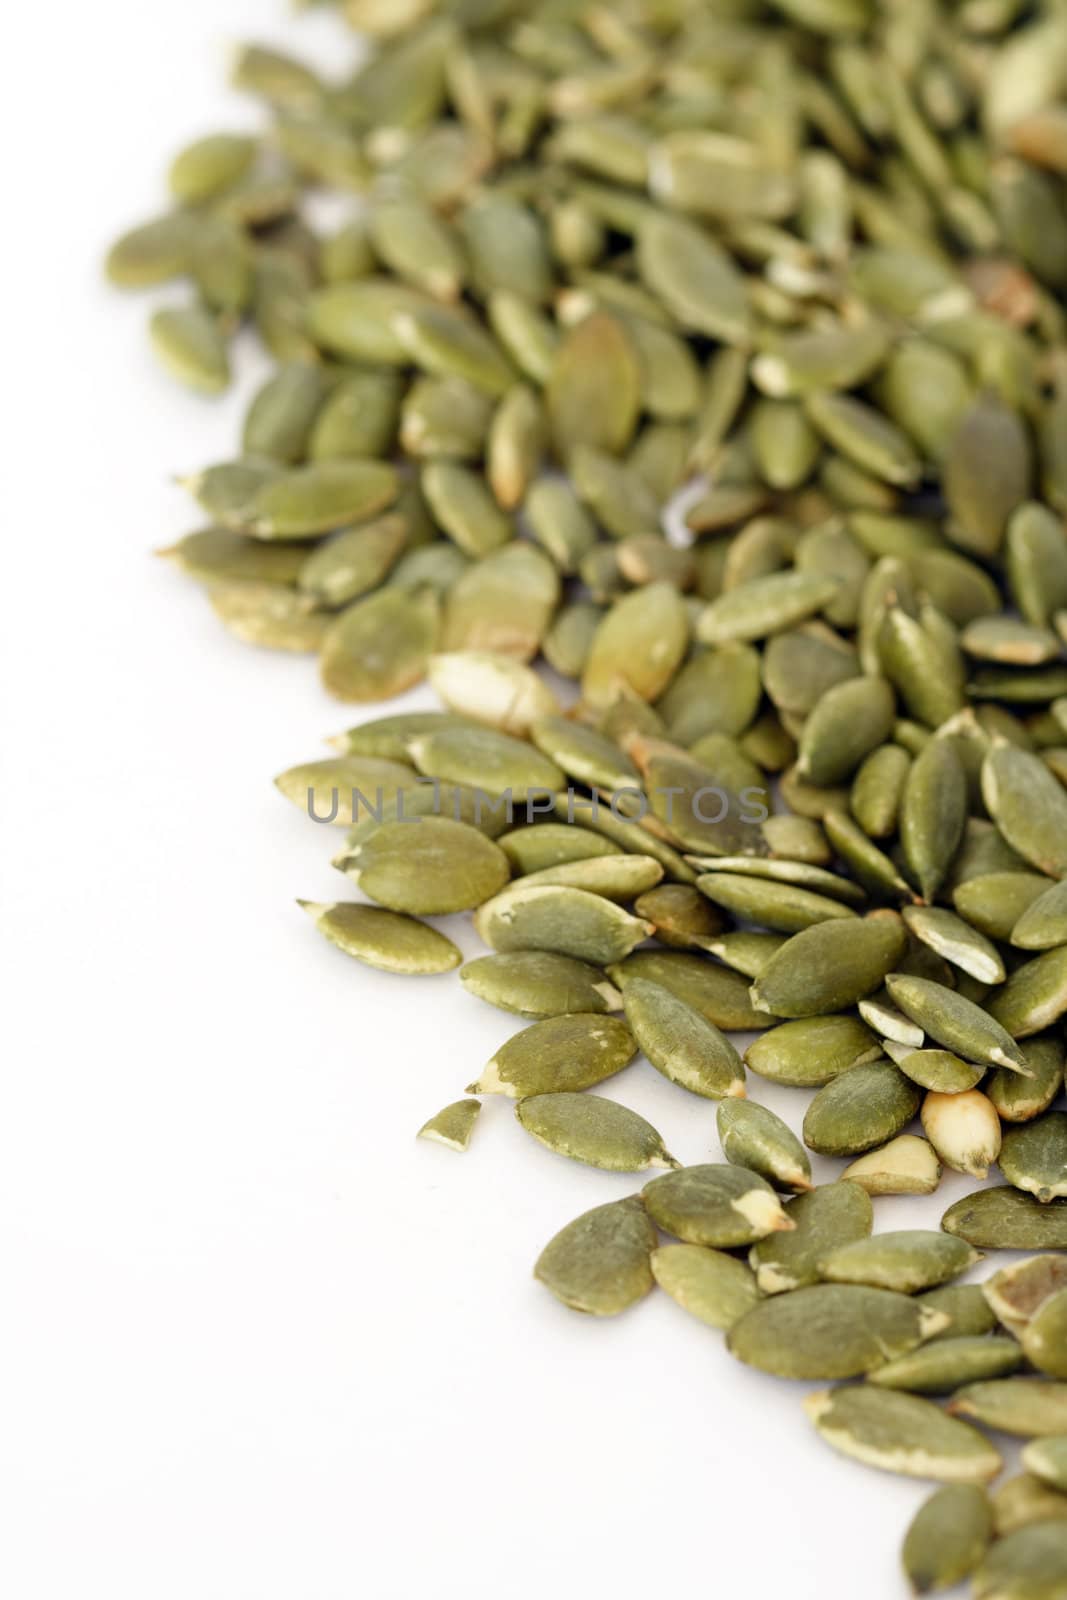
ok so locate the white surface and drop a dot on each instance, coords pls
(261, 1344)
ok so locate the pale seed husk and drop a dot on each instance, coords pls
(965, 1306)
(681, 1043)
(895, 1028)
(831, 1330)
(829, 1215)
(860, 1109)
(906, 1165)
(829, 967)
(1024, 1501)
(716, 993)
(594, 1130)
(1026, 1565)
(902, 1433)
(714, 1287)
(720, 1206)
(1035, 995)
(1028, 806)
(810, 1051)
(1007, 1219)
(947, 1538)
(1034, 1157)
(383, 939)
(566, 921)
(491, 688)
(955, 1022)
(564, 1053)
(754, 1137)
(1016, 1292)
(1044, 1338)
(599, 1263)
(453, 1126)
(430, 867)
(1047, 1459)
(909, 1260)
(964, 1129)
(947, 1364)
(538, 983)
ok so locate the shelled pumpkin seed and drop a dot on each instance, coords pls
(803, 263)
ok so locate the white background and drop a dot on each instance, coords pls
(261, 1344)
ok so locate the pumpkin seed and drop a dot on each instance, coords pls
(906, 1165)
(383, 939)
(955, 1022)
(831, 1330)
(1007, 1219)
(1025, 1501)
(810, 1051)
(190, 344)
(951, 937)
(948, 1364)
(1028, 806)
(965, 1306)
(753, 1137)
(1047, 1459)
(338, 789)
(562, 920)
(1043, 924)
(1016, 1292)
(599, 1263)
(1035, 995)
(538, 983)
(1034, 1157)
(764, 606)
(830, 1214)
(1019, 1099)
(529, 849)
(712, 1286)
(589, 1128)
(902, 1433)
(435, 867)
(719, 1206)
(829, 967)
(909, 1260)
(947, 1538)
(1026, 1565)
(1044, 1339)
(563, 1053)
(681, 1043)
(718, 995)
(1031, 1408)
(454, 1125)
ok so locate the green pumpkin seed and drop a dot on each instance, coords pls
(380, 646)
(831, 1330)
(828, 1215)
(829, 967)
(503, 603)
(339, 790)
(417, 245)
(593, 395)
(719, 1206)
(449, 344)
(389, 737)
(955, 1022)
(1028, 1407)
(681, 1043)
(927, 670)
(948, 1364)
(939, 1070)
(908, 1261)
(453, 1126)
(315, 499)
(713, 1287)
(383, 939)
(351, 563)
(933, 813)
(1028, 806)
(155, 252)
(1035, 995)
(779, 906)
(902, 1433)
(906, 1165)
(1036, 559)
(564, 1053)
(1025, 1501)
(753, 1137)
(865, 437)
(764, 606)
(485, 758)
(538, 983)
(562, 920)
(1025, 1565)
(355, 320)
(1043, 924)
(599, 1263)
(1044, 1339)
(947, 1538)
(589, 1128)
(693, 278)
(1034, 1157)
(987, 470)
(1019, 1099)
(431, 867)
(835, 357)
(811, 1051)
(681, 917)
(860, 1109)
(994, 902)
(616, 877)
(190, 344)
(720, 996)
(1046, 1458)
(638, 646)
(1007, 1219)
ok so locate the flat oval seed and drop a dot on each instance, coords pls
(831, 1330)
(993, 902)
(948, 1364)
(599, 1263)
(720, 996)
(1047, 1458)
(754, 1137)
(781, 906)
(450, 344)
(829, 967)
(638, 646)
(529, 849)
(947, 1538)
(906, 1165)
(583, 753)
(694, 278)
(190, 344)
(681, 1043)
(491, 688)
(1017, 1099)
(558, 1054)
(848, 722)
(315, 499)
(933, 813)
(828, 1216)
(901, 1433)
(951, 937)
(340, 790)
(809, 1052)
(1028, 806)
(1007, 1219)
(955, 1022)
(616, 877)
(453, 1126)
(1028, 1564)
(1044, 1338)
(1034, 1157)
(383, 939)
(538, 983)
(939, 1070)
(592, 1129)
(866, 437)
(1043, 924)
(764, 606)
(593, 395)
(860, 1109)
(908, 1260)
(568, 922)
(720, 1206)
(431, 867)
(713, 1287)
(486, 759)
(1016, 1292)
(1025, 1501)
(1028, 1407)
(964, 1129)
(964, 1305)
(1034, 997)
(380, 645)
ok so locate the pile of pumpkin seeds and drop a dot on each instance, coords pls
(715, 354)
